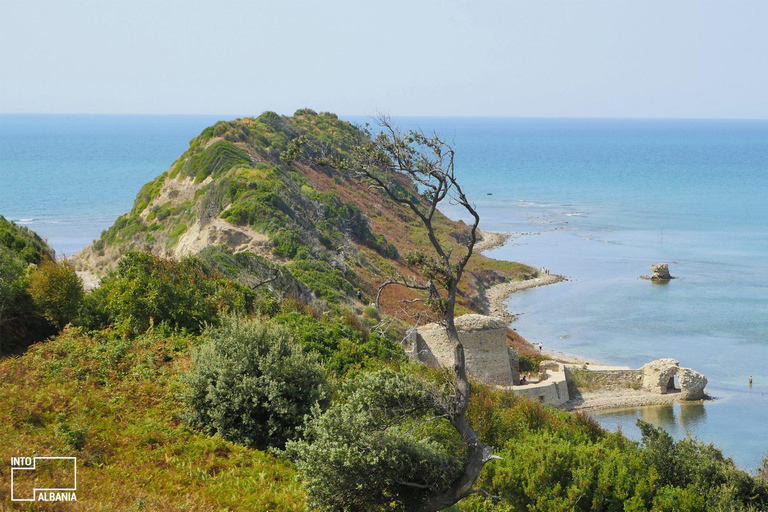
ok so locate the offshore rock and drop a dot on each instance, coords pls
(658, 375)
(692, 384)
(660, 273)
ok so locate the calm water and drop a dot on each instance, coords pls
(70, 176)
(602, 199)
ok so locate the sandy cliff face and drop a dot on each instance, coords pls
(220, 232)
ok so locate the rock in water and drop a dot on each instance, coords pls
(658, 375)
(660, 273)
(692, 384)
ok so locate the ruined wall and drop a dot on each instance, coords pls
(553, 391)
(485, 348)
(607, 379)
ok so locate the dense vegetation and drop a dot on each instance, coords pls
(242, 381)
(252, 384)
(23, 312)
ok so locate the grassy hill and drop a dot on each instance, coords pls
(235, 189)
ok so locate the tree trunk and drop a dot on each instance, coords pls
(480, 453)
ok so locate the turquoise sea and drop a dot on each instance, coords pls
(601, 200)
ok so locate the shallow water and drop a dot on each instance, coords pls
(605, 199)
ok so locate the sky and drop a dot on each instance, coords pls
(533, 58)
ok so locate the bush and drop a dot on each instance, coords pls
(57, 291)
(371, 312)
(23, 243)
(325, 281)
(148, 290)
(552, 460)
(251, 384)
(20, 323)
(364, 451)
(342, 348)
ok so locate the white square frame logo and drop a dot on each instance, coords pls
(32, 468)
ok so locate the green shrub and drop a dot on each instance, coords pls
(148, 290)
(74, 438)
(325, 281)
(23, 243)
(251, 384)
(57, 291)
(342, 347)
(552, 460)
(371, 312)
(20, 322)
(286, 243)
(214, 160)
(363, 452)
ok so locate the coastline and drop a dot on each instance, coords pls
(496, 295)
(599, 400)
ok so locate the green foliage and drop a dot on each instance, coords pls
(124, 228)
(114, 403)
(215, 160)
(23, 243)
(251, 384)
(17, 310)
(20, 321)
(57, 291)
(530, 363)
(325, 281)
(429, 267)
(349, 219)
(552, 460)
(74, 438)
(342, 346)
(371, 312)
(286, 243)
(147, 290)
(252, 270)
(701, 469)
(148, 193)
(363, 451)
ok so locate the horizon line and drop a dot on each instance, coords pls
(231, 116)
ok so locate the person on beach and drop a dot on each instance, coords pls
(541, 346)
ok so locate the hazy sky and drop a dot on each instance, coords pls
(565, 58)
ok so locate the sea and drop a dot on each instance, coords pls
(596, 200)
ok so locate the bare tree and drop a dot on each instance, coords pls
(428, 161)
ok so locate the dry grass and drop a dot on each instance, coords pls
(138, 454)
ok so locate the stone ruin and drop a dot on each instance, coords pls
(659, 377)
(660, 273)
(484, 338)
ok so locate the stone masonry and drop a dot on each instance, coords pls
(487, 355)
(658, 375)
